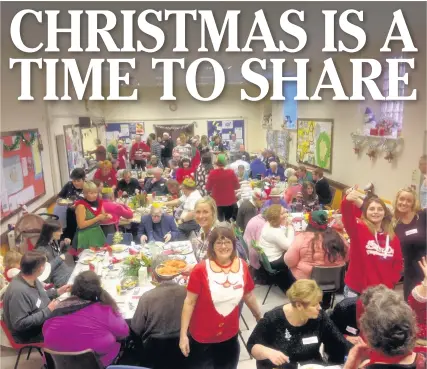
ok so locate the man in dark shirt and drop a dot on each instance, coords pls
(26, 304)
(156, 184)
(244, 154)
(74, 188)
(127, 184)
(322, 187)
(167, 147)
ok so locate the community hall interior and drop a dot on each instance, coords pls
(198, 230)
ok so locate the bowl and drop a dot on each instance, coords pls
(129, 283)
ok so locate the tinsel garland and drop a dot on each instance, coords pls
(18, 138)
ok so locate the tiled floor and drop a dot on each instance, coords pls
(275, 298)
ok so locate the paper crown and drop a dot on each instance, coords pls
(189, 182)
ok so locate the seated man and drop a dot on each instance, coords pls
(157, 227)
(239, 162)
(275, 171)
(159, 310)
(26, 304)
(244, 154)
(248, 209)
(127, 184)
(156, 184)
(258, 168)
(275, 198)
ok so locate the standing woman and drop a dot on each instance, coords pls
(202, 173)
(122, 155)
(222, 184)
(211, 310)
(90, 214)
(410, 228)
(375, 253)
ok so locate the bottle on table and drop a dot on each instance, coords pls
(143, 275)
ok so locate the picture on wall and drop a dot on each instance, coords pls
(314, 142)
(225, 128)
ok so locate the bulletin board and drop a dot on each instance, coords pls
(225, 128)
(125, 131)
(22, 180)
(314, 142)
(74, 147)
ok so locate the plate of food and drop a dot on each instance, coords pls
(129, 283)
(159, 244)
(88, 259)
(64, 202)
(171, 268)
(119, 248)
(312, 366)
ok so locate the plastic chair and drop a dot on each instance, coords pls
(163, 352)
(329, 280)
(271, 273)
(20, 346)
(127, 239)
(86, 359)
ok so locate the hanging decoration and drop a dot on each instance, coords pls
(389, 147)
(21, 138)
(373, 148)
(358, 141)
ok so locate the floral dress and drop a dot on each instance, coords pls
(201, 179)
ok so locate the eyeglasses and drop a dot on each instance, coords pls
(223, 243)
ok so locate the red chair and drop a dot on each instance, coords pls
(20, 346)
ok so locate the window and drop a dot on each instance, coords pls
(290, 106)
(393, 109)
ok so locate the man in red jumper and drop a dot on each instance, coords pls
(138, 153)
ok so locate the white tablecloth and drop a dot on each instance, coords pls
(128, 300)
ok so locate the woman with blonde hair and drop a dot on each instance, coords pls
(375, 252)
(410, 227)
(294, 332)
(276, 238)
(90, 214)
(106, 174)
(293, 188)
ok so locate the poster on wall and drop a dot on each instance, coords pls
(314, 142)
(224, 128)
(278, 141)
(22, 180)
(74, 147)
(124, 131)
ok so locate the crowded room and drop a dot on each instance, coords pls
(223, 234)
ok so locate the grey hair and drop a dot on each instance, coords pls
(126, 171)
(389, 324)
(371, 292)
(154, 208)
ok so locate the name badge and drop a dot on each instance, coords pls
(411, 231)
(38, 303)
(351, 330)
(310, 340)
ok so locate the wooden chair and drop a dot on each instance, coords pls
(86, 359)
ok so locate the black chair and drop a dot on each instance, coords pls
(329, 280)
(86, 359)
(163, 352)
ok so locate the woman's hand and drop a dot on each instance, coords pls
(353, 194)
(187, 270)
(423, 264)
(61, 290)
(67, 241)
(277, 357)
(356, 356)
(184, 345)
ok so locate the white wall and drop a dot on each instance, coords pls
(349, 168)
(151, 110)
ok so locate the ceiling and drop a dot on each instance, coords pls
(377, 20)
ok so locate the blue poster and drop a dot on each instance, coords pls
(224, 128)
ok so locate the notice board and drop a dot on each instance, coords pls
(22, 180)
(124, 131)
(224, 129)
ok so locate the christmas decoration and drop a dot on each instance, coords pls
(358, 141)
(389, 147)
(21, 138)
(387, 126)
(117, 238)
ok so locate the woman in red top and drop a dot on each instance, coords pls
(375, 253)
(106, 174)
(211, 309)
(185, 170)
(223, 183)
(122, 155)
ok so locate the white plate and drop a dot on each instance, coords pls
(312, 366)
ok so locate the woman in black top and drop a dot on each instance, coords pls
(55, 251)
(294, 332)
(410, 228)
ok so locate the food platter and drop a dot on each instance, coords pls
(171, 268)
(87, 260)
(118, 248)
(129, 283)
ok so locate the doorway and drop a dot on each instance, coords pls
(174, 130)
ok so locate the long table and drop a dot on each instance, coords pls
(112, 276)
